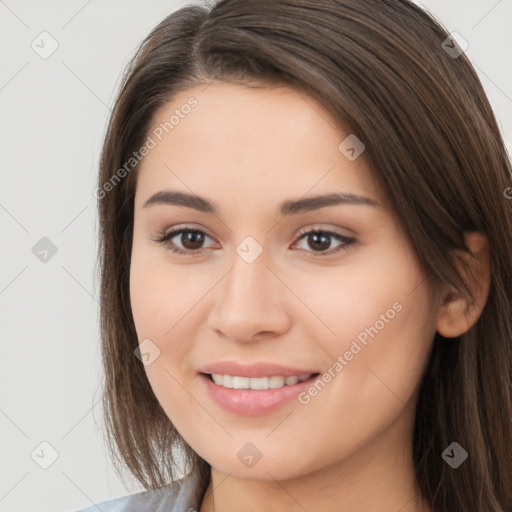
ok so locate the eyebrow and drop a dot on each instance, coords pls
(171, 197)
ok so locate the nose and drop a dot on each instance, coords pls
(251, 302)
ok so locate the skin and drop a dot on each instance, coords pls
(247, 150)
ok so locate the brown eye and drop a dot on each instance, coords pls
(320, 240)
(191, 239)
(184, 241)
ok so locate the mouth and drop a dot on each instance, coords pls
(238, 382)
(254, 396)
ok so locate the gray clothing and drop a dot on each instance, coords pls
(178, 496)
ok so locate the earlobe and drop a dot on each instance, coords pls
(457, 315)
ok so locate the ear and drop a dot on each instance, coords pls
(456, 315)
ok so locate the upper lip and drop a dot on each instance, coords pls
(261, 369)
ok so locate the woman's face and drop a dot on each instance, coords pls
(259, 292)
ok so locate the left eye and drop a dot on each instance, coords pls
(190, 241)
(320, 240)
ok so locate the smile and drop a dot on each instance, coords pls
(254, 396)
(257, 383)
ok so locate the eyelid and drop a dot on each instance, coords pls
(183, 227)
(328, 229)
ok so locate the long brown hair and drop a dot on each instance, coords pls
(382, 69)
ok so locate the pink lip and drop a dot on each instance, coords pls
(262, 369)
(250, 402)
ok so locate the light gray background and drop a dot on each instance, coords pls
(53, 115)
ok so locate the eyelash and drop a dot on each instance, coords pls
(347, 241)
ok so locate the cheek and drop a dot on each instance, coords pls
(372, 365)
(376, 328)
(378, 293)
(168, 304)
(162, 301)
(161, 296)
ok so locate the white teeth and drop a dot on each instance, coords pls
(239, 382)
(228, 381)
(257, 383)
(275, 382)
(218, 379)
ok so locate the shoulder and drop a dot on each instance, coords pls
(178, 496)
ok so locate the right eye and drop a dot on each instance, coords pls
(188, 241)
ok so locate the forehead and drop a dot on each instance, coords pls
(235, 140)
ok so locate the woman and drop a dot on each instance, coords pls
(305, 265)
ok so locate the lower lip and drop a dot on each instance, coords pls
(251, 402)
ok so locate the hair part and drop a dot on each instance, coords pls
(434, 148)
